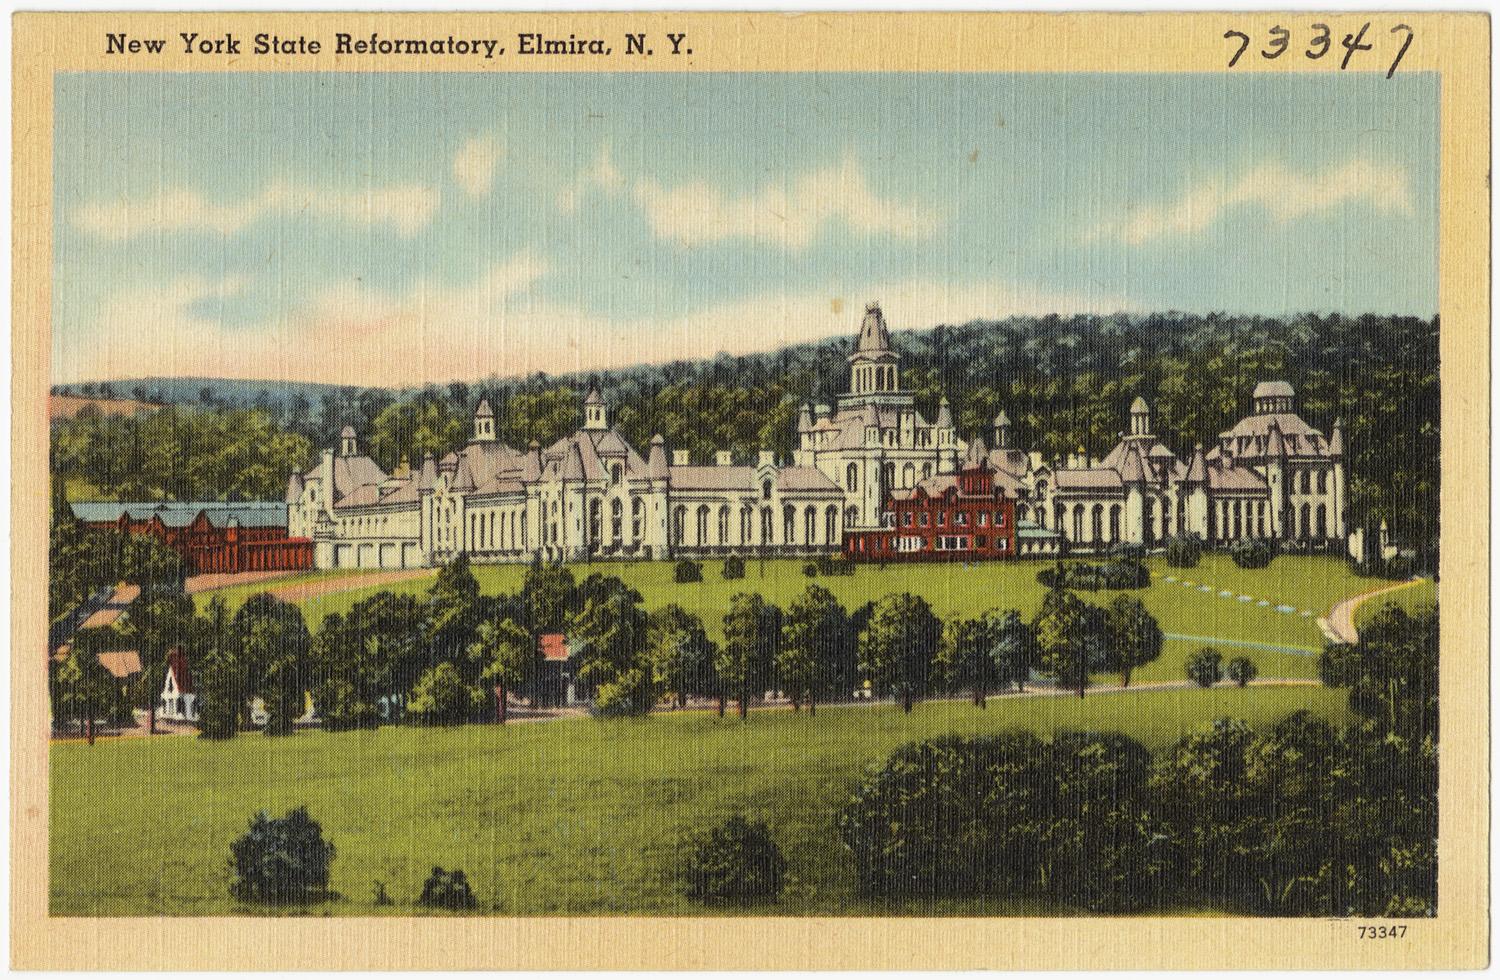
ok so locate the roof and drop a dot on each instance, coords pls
(594, 398)
(1139, 405)
(1273, 389)
(1087, 479)
(554, 646)
(1251, 436)
(1002, 420)
(484, 411)
(873, 335)
(114, 608)
(1235, 478)
(347, 432)
(121, 663)
(182, 674)
(174, 513)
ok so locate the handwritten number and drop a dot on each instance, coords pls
(1325, 39)
(1244, 43)
(1282, 37)
(1404, 45)
(1352, 43)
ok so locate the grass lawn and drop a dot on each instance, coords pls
(1190, 616)
(1410, 598)
(578, 817)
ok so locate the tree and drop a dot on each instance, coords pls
(610, 644)
(452, 611)
(1241, 670)
(82, 690)
(752, 635)
(966, 656)
(507, 658)
(547, 592)
(1134, 637)
(1071, 638)
(814, 634)
(1013, 647)
(1391, 672)
(274, 648)
(1204, 667)
(281, 861)
(442, 698)
(681, 653)
(898, 646)
(447, 890)
(218, 674)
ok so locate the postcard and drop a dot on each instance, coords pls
(750, 491)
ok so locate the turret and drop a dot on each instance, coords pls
(427, 475)
(572, 468)
(531, 471)
(1002, 431)
(595, 411)
(348, 442)
(1273, 398)
(1336, 440)
(1195, 487)
(484, 422)
(294, 488)
(873, 365)
(656, 462)
(1140, 417)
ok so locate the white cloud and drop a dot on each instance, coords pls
(785, 214)
(474, 165)
(601, 175)
(499, 324)
(1282, 193)
(407, 208)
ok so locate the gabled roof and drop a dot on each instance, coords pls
(178, 514)
(182, 675)
(121, 663)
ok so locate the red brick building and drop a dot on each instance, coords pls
(211, 536)
(950, 517)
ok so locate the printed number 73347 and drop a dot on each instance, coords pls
(1382, 932)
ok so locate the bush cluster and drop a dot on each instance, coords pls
(687, 571)
(737, 861)
(281, 861)
(835, 565)
(734, 567)
(1253, 552)
(1399, 567)
(1117, 573)
(1184, 552)
(447, 890)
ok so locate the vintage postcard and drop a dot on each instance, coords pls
(750, 491)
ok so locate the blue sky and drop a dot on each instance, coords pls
(400, 228)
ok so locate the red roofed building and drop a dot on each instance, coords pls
(949, 517)
(210, 536)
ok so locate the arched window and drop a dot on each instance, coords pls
(723, 524)
(788, 524)
(1078, 522)
(679, 518)
(614, 473)
(596, 511)
(1306, 482)
(831, 525)
(637, 519)
(1114, 522)
(745, 524)
(616, 520)
(702, 525)
(1096, 528)
(851, 477)
(765, 525)
(765, 490)
(1322, 481)
(1322, 521)
(851, 516)
(887, 477)
(926, 470)
(908, 475)
(1306, 528)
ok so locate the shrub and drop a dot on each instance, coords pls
(1184, 552)
(737, 861)
(440, 697)
(810, 569)
(379, 895)
(835, 565)
(1118, 573)
(687, 571)
(446, 890)
(1204, 667)
(734, 567)
(1241, 670)
(281, 861)
(1253, 552)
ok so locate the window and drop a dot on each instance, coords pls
(942, 518)
(984, 518)
(831, 519)
(789, 524)
(1322, 481)
(614, 473)
(637, 520)
(906, 519)
(724, 524)
(616, 519)
(679, 518)
(702, 525)
(765, 490)
(1306, 482)
(923, 519)
(981, 542)
(810, 524)
(961, 519)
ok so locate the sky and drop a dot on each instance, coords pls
(394, 229)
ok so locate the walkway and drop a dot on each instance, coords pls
(296, 588)
(1339, 626)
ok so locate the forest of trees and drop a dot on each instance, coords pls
(1064, 382)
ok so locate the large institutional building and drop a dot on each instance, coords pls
(592, 494)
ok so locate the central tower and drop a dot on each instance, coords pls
(874, 368)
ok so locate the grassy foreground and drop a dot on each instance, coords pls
(573, 817)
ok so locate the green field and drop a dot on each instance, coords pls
(565, 817)
(1306, 584)
(1410, 598)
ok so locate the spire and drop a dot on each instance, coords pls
(573, 463)
(1002, 430)
(1275, 444)
(427, 475)
(977, 454)
(532, 470)
(1197, 471)
(1131, 470)
(873, 335)
(1336, 440)
(804, 418)
(656, 465)
(484, 411)
(945, 416)
(294, 487)
(463, 480)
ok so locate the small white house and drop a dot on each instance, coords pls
(178, 701)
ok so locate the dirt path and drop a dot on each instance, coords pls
(295, 588)
(1339, 626)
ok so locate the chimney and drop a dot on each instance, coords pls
(681, 457)
(767, 458)
(724, 458)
